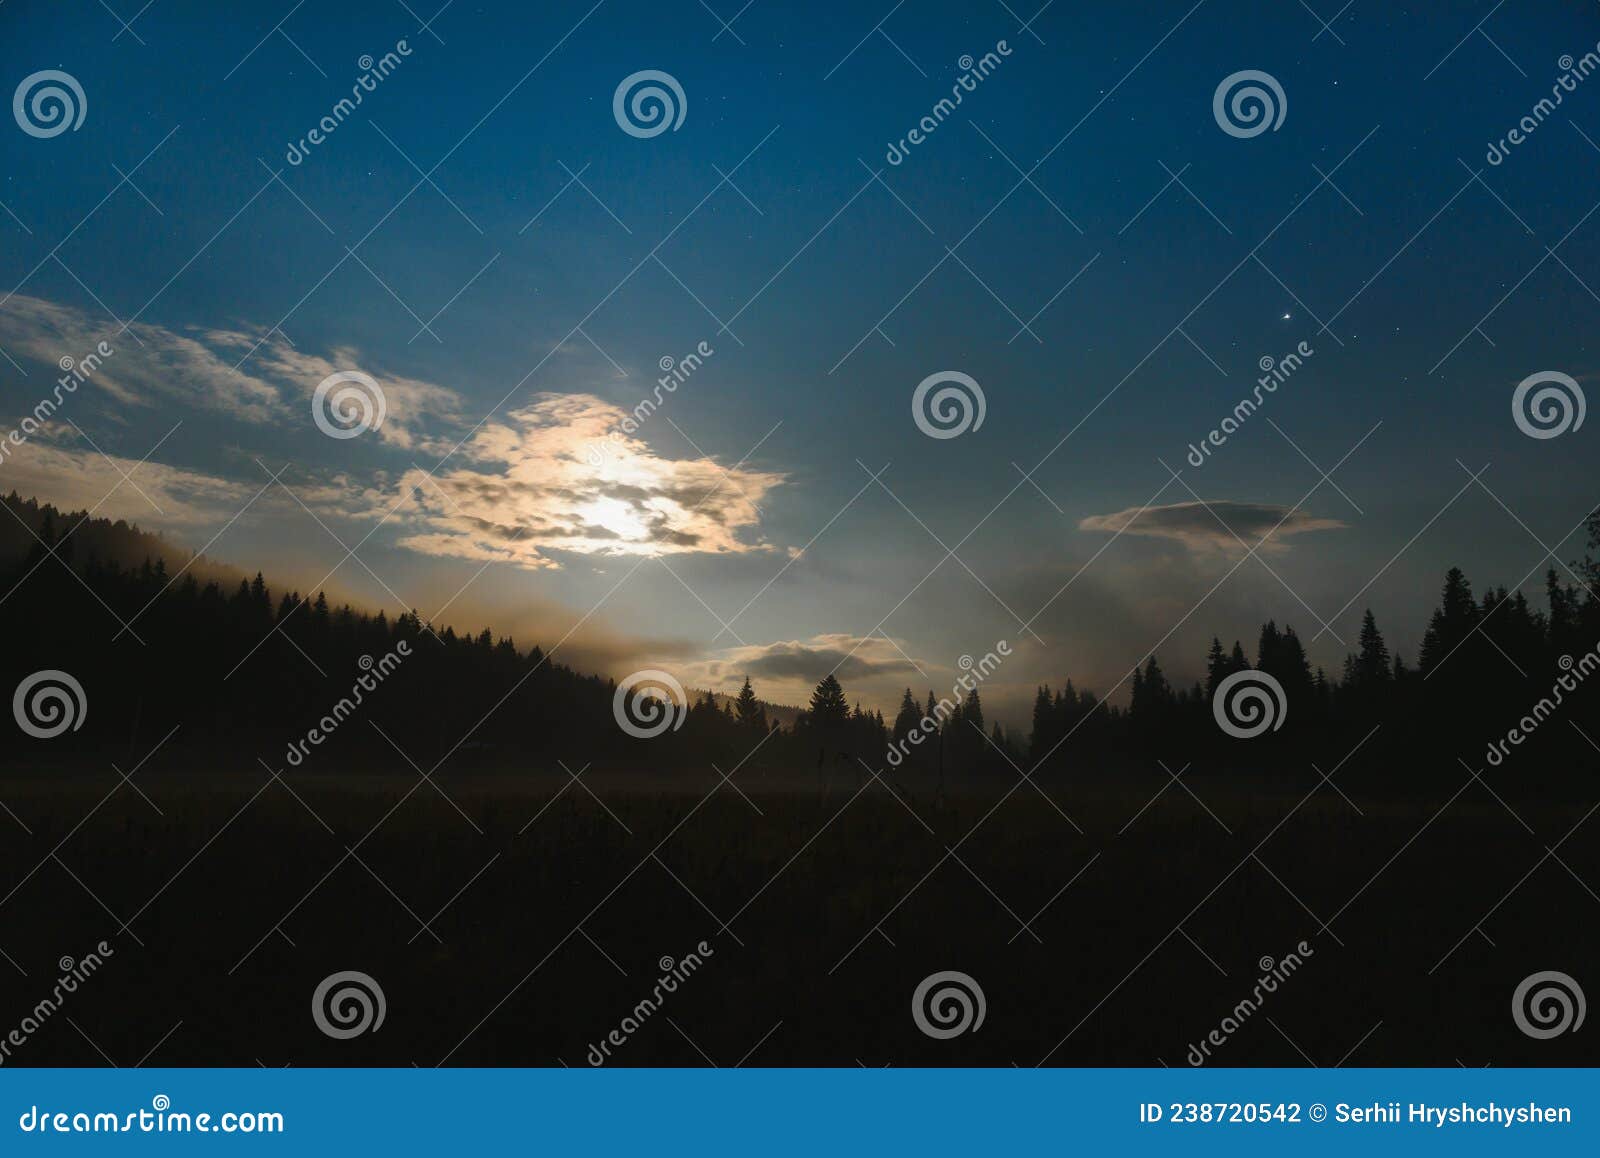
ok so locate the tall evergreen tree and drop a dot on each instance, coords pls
(748, 709)
(1216, 666)
(1372, 665)
(906, 718)
(828, 707)
(1452, 622)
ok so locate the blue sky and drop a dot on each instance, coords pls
(1356, 227)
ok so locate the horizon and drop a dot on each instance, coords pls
(513, 283)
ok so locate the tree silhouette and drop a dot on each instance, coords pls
(748, 710)
(244, 669)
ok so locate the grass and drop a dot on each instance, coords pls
(522, 919)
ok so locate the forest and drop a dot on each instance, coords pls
(242, 667)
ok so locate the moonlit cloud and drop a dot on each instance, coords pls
(249, 376)
(559, 475)
(1213, 526)
(151, 494)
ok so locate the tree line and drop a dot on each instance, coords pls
(242, 669)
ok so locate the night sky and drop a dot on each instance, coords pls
(1080, 236)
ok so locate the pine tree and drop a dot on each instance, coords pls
(1372, 665)
(972, 710)
(1452, 622)
(828, 707)
(1269, 650)
(748, 709)
(1237, 661)
(906, 718)
(1043, 724)
(1216, 666)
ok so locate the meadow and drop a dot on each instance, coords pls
(513, 918)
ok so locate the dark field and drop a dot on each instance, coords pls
(526, 942)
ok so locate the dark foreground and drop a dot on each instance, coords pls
(525, 926)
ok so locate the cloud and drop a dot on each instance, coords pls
(151, 493)
(1213, 526)
(560, 476)
(167, 366)
(249, 376)
(797, 664)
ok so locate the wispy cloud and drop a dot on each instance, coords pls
(151, 493)
(1213, 526)
(247, 375)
